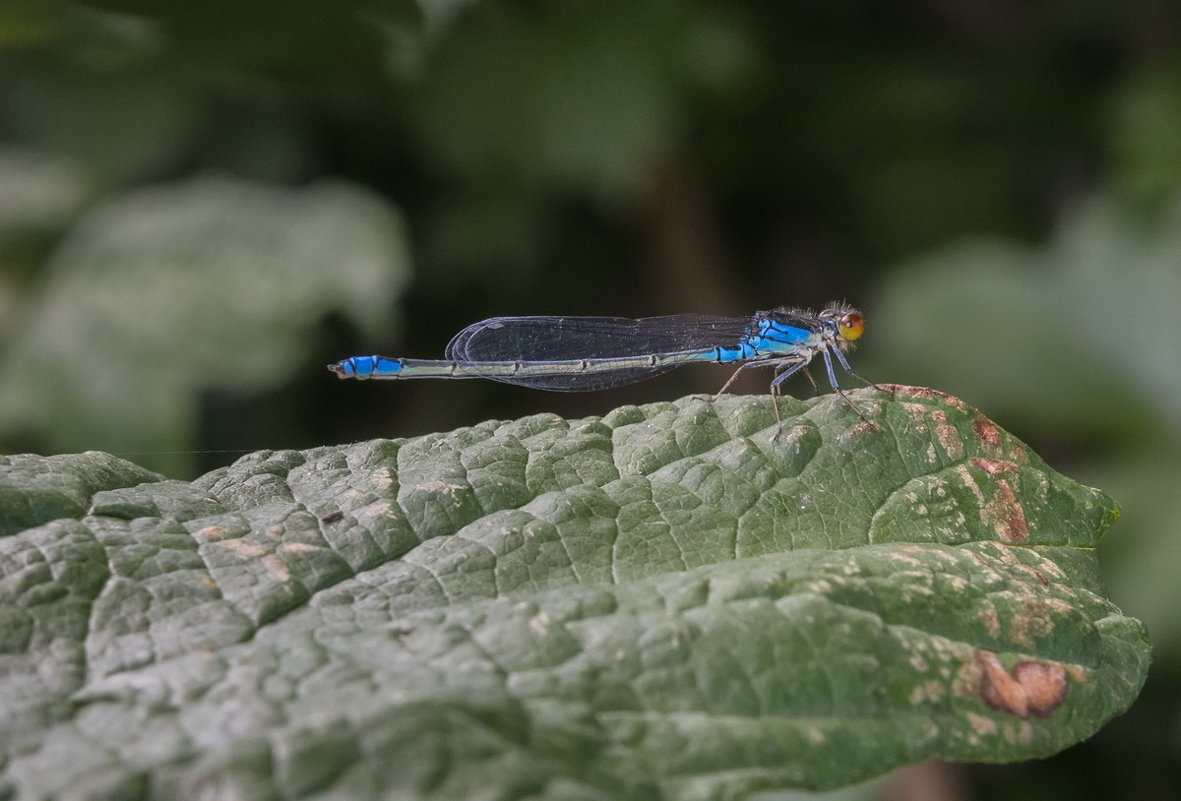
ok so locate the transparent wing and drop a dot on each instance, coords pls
(553, 339)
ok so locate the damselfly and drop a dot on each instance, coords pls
(577, 354)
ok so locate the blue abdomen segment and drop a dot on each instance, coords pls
(368, 367)
(385, 366)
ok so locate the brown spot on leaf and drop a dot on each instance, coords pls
(925, 393)
(797, 433)
(915, 392)
(947, 435)
(277, 567)
(212, 533)
(1005, 514)
(862, 428)
(918, 415)
(1018, 452)
(1031, 620)
(987, 431)
(244, 550)
(981, 725)
(1032, 688)
(994, 467)
(999, 508)
(990, 619)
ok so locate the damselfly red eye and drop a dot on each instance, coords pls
(852, 326)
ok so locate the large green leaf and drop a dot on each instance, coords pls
(680, 600)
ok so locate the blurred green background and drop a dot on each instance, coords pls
(202, 204)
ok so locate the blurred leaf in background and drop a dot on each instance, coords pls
(162, 292)
(1145, 131)
(39, 191)
(524, 112)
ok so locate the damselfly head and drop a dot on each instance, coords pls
(849, 323)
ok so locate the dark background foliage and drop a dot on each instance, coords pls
(201, 204)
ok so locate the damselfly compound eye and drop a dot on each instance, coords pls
(852, 326)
